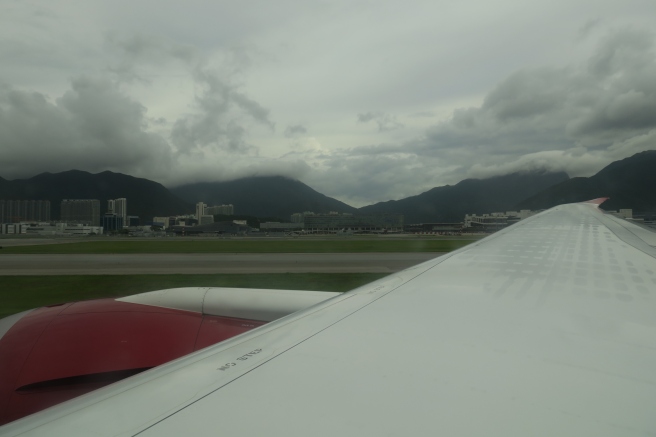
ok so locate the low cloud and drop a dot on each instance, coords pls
(588, 28)
(93, 127)
(136, 54)
(295, 131)
(220, 114)
(575, 119)
(563, 118)
(216, 122)
(385, 122)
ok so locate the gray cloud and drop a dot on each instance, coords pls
(423, 114)
(536, 110)
(361, 180)
(384, 121)
(295, 130)
(217, 119)
(220, 113)
(588, 28)
(139, 50)
(575, 119)
(216, 81)
(93, 127)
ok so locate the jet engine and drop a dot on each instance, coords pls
(54, 353)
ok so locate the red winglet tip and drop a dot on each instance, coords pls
(597, 201)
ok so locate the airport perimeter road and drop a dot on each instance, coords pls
(155, 264)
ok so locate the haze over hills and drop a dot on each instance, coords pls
(630, 183)
(146, 198)
(478, 196)
(262, 196)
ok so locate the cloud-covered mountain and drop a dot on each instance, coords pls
(630, 183)
(451, 203)
(266, 196)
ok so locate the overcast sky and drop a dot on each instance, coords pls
(362, 100)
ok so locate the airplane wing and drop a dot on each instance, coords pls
(546, 328)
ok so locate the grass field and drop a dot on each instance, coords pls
(20, 293)
(246, 246)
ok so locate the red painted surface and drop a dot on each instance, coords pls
(597, 201)
(57, 353)
(15, 348)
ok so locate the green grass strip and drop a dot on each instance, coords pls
(245, 246)
(20, 293)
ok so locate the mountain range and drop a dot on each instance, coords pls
(145, 198)
(471, 196)
(262, 196)
(629, 183)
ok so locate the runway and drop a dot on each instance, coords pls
(157, 264)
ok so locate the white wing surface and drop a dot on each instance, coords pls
(547, 328)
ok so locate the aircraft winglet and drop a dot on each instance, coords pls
(598, 201)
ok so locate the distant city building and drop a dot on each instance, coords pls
(359, 223)
(220, 210)
(13, 228)
(118, 207)
(45, 228)
(206, 219)
(50, 229)
(200, 210)
(112, 222)
(216, 228)
(78, 229)
(133, 220)
(186, 220)
(14, 211)
(164, 222)
(80, 211)
(624, 213)
(140, 231)
(435, 228)
(280, 227)
(298, 217)
(494, 221)
(649, 220)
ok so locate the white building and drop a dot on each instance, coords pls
(50, 229)
(161, 221)
(13, 228)
(299, 217)
(80, 229)
(625, 213)
(521, 214)
(220, 210)
(119, 207)
(496, 220)
(200, 210)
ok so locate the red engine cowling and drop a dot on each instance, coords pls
(56, 353)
